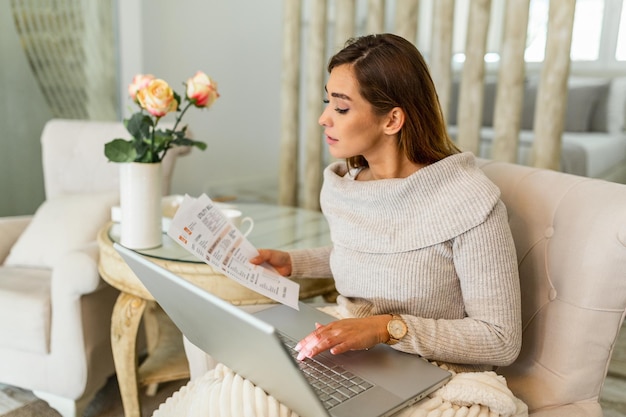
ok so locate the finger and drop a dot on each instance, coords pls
(302, 343)
(320, 340)
(306, 347)
(342, 348)
(263, 256)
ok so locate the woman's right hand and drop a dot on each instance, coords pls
(280, 260)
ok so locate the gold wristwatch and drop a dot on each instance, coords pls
(396, 327)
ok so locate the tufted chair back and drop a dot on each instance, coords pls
(570, 235)
(66, 152)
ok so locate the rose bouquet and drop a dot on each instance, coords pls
(155, 98)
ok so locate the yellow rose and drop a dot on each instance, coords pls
(202, 90)
(157, 98)
(140, 81)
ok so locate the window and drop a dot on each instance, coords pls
(587, 30)
(586, 34)
(598, 37)
(537, 30)
(620, 50)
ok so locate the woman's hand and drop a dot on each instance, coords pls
(343, 335)
(281, 261)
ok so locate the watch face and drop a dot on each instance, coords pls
(396, 328)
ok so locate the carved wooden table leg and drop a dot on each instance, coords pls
(151, 324)
(125, 322)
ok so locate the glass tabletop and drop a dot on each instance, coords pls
(275, 227)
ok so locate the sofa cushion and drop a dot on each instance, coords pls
(581, 109)
(600, 116)
(527, 120)
(489, 102)
(26, 292)
(60, 225)
(489, 99)
(610, 114)
(582, 102)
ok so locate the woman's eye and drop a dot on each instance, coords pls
(337, 109)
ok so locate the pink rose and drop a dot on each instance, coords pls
(202, 90)
(157, 98)
(139, 82)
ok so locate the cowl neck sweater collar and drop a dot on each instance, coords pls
(431, 206)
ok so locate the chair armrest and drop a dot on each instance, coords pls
(10, 230)
(76, 273)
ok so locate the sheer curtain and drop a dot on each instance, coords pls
(70, 46)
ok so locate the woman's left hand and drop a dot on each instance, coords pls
(343, 335)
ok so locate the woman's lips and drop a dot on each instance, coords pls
(330, 140)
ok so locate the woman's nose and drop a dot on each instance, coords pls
(323, 120)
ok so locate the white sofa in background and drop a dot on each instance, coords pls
(594, 137)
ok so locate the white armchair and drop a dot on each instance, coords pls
(55, 310)
(570, 236)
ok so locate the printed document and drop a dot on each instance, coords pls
(201, 228)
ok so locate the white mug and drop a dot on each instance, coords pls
(236, 217)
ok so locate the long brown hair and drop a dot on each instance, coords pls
(391, 72)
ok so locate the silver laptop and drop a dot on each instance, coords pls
(375, 382)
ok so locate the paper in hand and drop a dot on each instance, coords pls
(201, 228)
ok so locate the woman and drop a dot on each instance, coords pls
(422, 254)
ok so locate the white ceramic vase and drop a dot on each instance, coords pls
(140, 204)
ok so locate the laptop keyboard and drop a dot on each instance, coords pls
(332, 383)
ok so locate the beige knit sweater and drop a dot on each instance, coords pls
(434, 247)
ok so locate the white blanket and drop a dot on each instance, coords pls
(222, 393)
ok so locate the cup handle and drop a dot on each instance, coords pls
(250, 227)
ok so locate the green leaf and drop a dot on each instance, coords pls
(198, 144)
(189, 142)
(120, 150)
(162, 137)
(142, 152)
(139, 126)
(177, 98)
